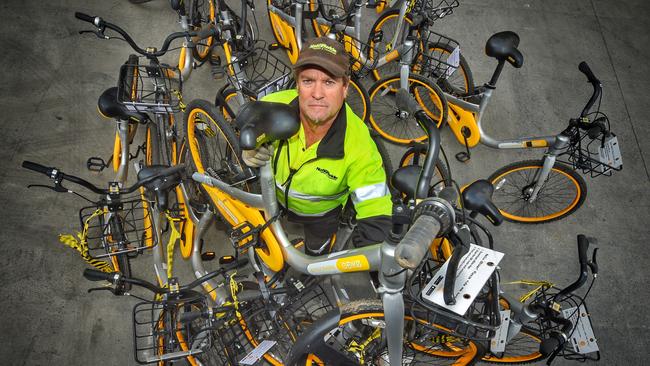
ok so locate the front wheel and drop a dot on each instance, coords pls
(359, 338)
(563, 192)
(396, 125)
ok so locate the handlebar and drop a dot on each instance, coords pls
(591, 78)
(102, 25)
(117, 278)
(406, 102)
(585, 266)
(59, 176)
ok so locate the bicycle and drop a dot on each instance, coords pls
(530, 191)
(154, 89)
(116, 226)
(286, 27)
(271, 253)
(179, 322)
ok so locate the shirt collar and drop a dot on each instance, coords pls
(332, 144)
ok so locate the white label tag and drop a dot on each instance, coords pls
(273, 86)
(454, 61)
(253, 356)
(610, 154)
(582, 339)
(474, 269)
(498, 343)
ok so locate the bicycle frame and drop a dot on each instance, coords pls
(377, 257)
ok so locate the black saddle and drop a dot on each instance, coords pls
(503, 47)
(405, 179)
(264, 122)
(109, 107)
(478, 198)
(160, 186)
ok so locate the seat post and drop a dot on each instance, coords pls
(495, 76)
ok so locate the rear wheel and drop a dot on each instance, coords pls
(394, 124)
(213, 145)
(562, 194)
(415, 156)
(202, 14)
(380, 41)
(359, 338)
(358, 99)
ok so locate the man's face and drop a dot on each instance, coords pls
(320, 95)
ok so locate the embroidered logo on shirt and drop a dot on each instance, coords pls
(327, 173)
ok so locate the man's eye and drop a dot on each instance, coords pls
(330, 82)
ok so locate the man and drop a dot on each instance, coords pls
(331, 158)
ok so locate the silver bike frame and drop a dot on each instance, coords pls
(555, 143)
(377, 257)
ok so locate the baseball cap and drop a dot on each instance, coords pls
(324, 53)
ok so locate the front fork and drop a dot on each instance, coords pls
(392, 278)
(561, 142)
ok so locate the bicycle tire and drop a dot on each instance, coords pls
(365, 319)
(441, 174)
(200, 14)
(358, 99)
(230, 98)
(386, 120)
(212, 143)
(325, 5)
(379, 39)
(512, 182)
(461, 82)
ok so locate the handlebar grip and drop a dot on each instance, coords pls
(583, 246)
(585, 69)
(95, 275)
(38, 168)
(405, 101)
(415, 244)
(84, 17)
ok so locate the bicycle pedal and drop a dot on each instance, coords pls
(463, 157)
(226, 259)
(208, 256)
(217, 72)
(96, 164)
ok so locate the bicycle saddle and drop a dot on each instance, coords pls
(478, 197)
(503, 46)
(110, 108)
(405, 179)
(264, 122)
(160, 186)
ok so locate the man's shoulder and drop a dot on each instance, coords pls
(283, 96)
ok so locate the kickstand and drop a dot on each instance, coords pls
(464, 156)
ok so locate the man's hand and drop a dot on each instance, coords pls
(256, 158)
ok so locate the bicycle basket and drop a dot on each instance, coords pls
(440, 57)
(160, 333)
(279, 321)
(154, 89)
(258, 73)
(434, 9)
(595, 155)
(128, 228)
(479, 322)
(363, 57)
(581, 345)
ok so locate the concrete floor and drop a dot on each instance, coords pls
(53, 77)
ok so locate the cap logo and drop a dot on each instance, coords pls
(323, 47)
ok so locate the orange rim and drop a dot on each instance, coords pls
(546, 217)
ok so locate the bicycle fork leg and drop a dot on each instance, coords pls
(542, 176)
(123, 170)
(394, 319)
